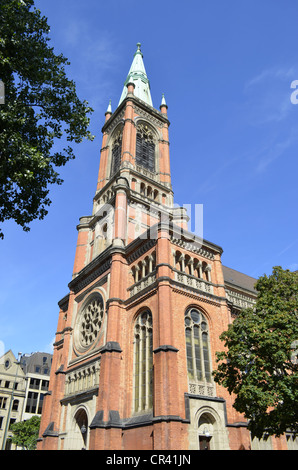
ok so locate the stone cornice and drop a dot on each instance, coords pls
(139, 104)
(94, 269)
(243, 290)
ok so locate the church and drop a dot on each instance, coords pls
(139, 327)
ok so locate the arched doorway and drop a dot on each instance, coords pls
(80, 440)
(206, 431)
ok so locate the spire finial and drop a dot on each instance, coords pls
(139, 46)
(109, 109)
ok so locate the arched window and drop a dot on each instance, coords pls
(143, 362)
(145, 148)
(116, 152)
(197, 346)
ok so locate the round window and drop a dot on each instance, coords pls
(90, 323)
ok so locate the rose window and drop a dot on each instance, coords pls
(90, 322)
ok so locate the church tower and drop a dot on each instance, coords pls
(138, 331)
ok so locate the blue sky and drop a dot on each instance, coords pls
(226, 69)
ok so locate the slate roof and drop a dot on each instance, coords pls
(239, 279)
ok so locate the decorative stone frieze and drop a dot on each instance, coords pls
(240, 300)
(82, 379)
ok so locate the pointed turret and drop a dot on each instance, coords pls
(108, 112)
(138, 77)
(163, 105)
(109, 109)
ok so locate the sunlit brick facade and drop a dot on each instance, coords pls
(138, 331)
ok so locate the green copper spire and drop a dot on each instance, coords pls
(137, 75)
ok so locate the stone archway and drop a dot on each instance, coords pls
(207, 431)
(211, 429)
(80, 430)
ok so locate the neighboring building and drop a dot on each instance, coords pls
(12, 396)
(138, 331)
(23, 384)
(37, 368)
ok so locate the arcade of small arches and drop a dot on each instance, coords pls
(147, 191)
(192, 266)
(143, 268)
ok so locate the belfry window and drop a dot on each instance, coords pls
(116, 153)
(143, 362)
(145, 148)
(197, 346)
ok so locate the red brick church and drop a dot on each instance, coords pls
(138, 331)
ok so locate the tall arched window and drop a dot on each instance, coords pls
(145, 148)
(197, 346)
(116, 152)
(143, 362)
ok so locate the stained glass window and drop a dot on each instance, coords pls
(145, 148)
(143, 362)
(197, 346)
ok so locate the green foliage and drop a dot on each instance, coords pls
(260, 364)
(25, 433)
(41, 105)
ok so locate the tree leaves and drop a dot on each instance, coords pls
(25, 433)
(41, 106)
(258, 364)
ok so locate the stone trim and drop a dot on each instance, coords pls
(87, 275)
(188, 396)
(148, 419)
(111, 346)
(49, 432)
(113, 421)
(165, 348)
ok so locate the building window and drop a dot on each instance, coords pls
(145, 148)
(34, 383)
(11, 421)
(3, 401)
(39, 410)
(31, 402)
(15, 405)
(197, 346)
(116, 152)
(143, 362)
(44, 385)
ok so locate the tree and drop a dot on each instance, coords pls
(41, 105)
(260, 364)
(25, 433)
